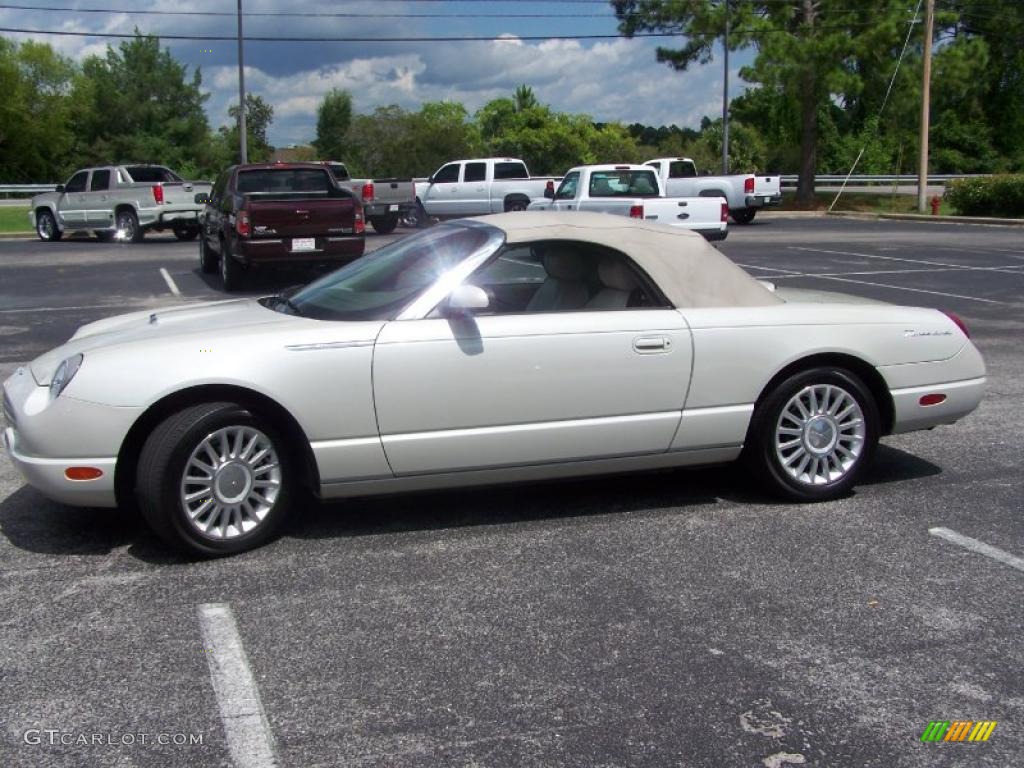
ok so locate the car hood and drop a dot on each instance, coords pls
(150, 325)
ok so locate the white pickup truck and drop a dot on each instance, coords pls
(745, 192)
(635, 191)
(121, 201)
(478, 187)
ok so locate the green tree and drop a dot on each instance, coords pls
(36, 133)
(258, 117)
(138, 104)
(333, 119)
(524, 98)
(814, 49)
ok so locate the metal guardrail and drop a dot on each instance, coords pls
(790, 180)
(25, 189)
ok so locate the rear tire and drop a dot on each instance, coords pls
(207, 259)
(416, 218)
(744, 215)
(239, 505)
(814, 434)
(46, 226)
(232, 274)
(127, 223)
(516, 203)
(384, 225)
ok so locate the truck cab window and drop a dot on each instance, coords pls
(449, 174)
(681, 169)
(100, 181)
(475, 172)
(77, 182)
(510, 171)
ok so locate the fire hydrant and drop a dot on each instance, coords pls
(935, 202)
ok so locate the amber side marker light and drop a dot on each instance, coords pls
(82, 473)
(958, 321)
(932, 399)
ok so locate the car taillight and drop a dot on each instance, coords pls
(158, 194)
(242, 224)
(636, 211)
(368, 192)
(748, 185)
(725, 212)
(359, 224)
(959, 323)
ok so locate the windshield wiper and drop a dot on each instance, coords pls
(277, 302)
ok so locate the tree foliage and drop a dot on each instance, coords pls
(333, 118)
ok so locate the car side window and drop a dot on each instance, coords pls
(681, 169)
(100, 181)
(475, 172)
(448, 174)
(567, 189)
(77, 182)
(564, 276)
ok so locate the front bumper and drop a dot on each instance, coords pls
(47, 476)
(763, 201)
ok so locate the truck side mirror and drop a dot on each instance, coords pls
(549, 190)
(430, 179)
(59, 188)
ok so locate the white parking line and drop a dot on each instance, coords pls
(170, 282)
(978, 546)
(245, 723)
(796, 273)
(60, 309)
(898, 258)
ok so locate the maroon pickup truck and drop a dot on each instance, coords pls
(278, 214)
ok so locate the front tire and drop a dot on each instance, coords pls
(46, 226)
(214, 479)
(743, 215)
(127, 223)
(814, 434)
(384, 225)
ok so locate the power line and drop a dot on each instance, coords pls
(319, 14)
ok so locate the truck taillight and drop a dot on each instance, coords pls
(636, 211)
(368, 192)
(359, 224)
(242, 224)
(725, 211)
(748, 185)
(158, 194)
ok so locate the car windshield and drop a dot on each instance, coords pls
(379, 285)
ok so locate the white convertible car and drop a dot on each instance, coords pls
(512, 347)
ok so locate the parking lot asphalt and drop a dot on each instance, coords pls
(674, 618)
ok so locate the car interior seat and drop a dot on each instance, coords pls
(618, 286)
(564, 287)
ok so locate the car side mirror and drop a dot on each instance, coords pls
(466, 298)
(59, 188)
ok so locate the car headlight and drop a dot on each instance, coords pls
(64, 374)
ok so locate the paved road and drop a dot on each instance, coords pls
(667, 619)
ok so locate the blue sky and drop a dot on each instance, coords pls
(612, 80)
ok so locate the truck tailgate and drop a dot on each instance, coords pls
(698, 213)
(767, 185)
(186, 193)
(301, 216)
(393, 190)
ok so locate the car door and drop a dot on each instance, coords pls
(212, 216)
(98, 212)
(474, 197)
(72, 204)
(530, 383)
(441, 197)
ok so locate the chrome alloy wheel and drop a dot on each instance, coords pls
(231, 482)
(45, 226)
(820, 434)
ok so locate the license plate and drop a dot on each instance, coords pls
(393, 208)
(767, 200)
(304, 244)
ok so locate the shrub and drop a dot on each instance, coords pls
(1001, 195)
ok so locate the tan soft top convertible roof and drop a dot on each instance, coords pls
(685, 266)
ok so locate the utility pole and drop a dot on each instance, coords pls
(922, 171)
(243, 151)
(725, 97)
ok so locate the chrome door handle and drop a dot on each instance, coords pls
(651, 344)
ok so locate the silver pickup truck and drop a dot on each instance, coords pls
(745, 192)
(385, 201)
(637, 192)
(480, 186)
(121, 201)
